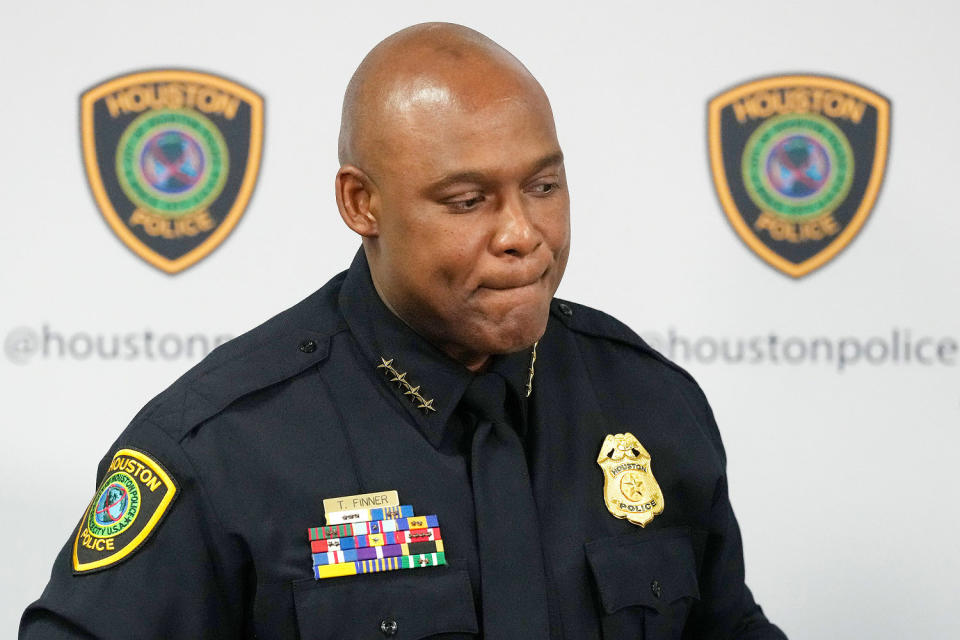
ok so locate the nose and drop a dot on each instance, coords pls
(516, 234)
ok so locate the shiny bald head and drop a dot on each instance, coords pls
(452, 174)
(428, 66)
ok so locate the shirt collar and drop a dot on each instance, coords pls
(516, 368)
(425, 380)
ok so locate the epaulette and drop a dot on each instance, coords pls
(280, 348)
(592, 322)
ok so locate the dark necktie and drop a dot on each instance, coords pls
(513, 584)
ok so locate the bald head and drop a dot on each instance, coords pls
(418, 72)
(452, 174)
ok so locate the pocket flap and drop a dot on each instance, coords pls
(651, 569)
(416, 603)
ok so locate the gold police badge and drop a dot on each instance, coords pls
(629, 489)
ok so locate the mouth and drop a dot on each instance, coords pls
(514, 281)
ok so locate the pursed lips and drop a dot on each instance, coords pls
(517, 280)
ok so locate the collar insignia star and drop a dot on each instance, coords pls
(412, 392)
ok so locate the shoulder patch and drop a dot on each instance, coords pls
(128, 506)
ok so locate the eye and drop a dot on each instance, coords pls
(544, 188)
(468, 204)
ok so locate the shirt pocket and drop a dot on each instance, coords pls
(646, 583)
(403, 605)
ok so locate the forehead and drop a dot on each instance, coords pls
(443, 133)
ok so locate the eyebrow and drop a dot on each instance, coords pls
(480, 177)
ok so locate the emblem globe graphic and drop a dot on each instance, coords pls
(798, 166)
(172, 162)
(112, 504)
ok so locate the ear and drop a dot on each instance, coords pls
(356, 199)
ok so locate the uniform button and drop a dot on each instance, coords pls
(308, 346)
(388, 626)
(656, 588)
(565, 309)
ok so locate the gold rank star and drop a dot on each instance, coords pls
(412, 392)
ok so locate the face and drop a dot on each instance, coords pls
(473, 221)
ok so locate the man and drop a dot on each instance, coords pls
(439, 366)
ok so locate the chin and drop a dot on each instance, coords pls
(516, 333)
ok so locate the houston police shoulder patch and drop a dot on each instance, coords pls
(129, 504)
(797, 162)
(172, 157)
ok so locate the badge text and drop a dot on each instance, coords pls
(834, 104)
(172, 95)
(137, 470)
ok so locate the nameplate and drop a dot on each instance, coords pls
(362, 501)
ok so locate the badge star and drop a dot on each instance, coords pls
(633, 488)
(412, 392)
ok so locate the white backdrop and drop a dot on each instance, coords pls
(843, 481)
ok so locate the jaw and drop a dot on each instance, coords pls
(472, 323)
(506, 329)
(508, 320)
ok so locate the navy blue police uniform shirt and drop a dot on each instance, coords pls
(251, 441)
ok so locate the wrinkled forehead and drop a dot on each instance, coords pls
(494, 142)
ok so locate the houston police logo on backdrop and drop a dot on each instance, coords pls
(172, 158)
(797, 162)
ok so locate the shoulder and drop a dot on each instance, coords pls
(622, 360)
(280, 348)
(598, 326)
